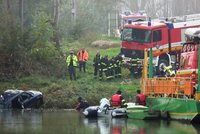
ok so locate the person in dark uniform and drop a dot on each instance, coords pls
(104, 68)
(96, 64)
(81, 104)
(111, 67)
(118, 68)
(135, 67)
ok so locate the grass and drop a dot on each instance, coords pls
(63, 93)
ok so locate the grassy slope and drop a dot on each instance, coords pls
(62, 93)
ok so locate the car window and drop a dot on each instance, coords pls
(25, 96)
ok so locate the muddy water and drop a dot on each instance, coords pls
(71, 122)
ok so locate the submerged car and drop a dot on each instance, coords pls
(19, 99)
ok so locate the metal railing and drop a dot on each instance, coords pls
(169, 87)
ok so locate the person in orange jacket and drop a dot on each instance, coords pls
(82, 58)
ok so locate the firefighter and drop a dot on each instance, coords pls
(140, 98)
(118, 70)
(72, 64)
(106, 71)
(100, 68)
(117, 100)
(111, 67)
(96, 64)
(82, 58)
(169, 72)
(115, 67)
(104, 68)
(135, 68)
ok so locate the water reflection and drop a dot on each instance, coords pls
(143, 127)
(106, 125)
(160, 127)
(118, 126)
(18, 120)
(71, 122)
(130, 126)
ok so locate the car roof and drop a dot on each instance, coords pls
(34, 92)
(13, 91)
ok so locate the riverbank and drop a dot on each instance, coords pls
(63, 93)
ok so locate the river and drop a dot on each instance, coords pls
(71, 122)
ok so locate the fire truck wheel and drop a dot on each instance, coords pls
(161, 63)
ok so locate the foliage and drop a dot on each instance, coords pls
(42, 57)
(34, 38)
(63, 93)
(59, 93)
(42, 30)
(67, 46)
(89, 37)
(75, 31)
(10, 46)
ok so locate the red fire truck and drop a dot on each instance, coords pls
(134, 17)
(189, 56)
(164, 37)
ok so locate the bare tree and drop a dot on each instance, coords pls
(56, 37)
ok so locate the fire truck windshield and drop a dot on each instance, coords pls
(136, 35)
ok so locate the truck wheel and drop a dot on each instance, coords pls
(161, 63)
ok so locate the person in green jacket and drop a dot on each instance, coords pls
(72, 64)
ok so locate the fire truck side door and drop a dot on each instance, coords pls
(157, 38)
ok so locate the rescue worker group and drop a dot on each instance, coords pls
(104, 68)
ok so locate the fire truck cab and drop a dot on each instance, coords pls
(189, 56)
(133, 17)
(164, 37)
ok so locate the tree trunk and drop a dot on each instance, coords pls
(56, 34)
(21, 14)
